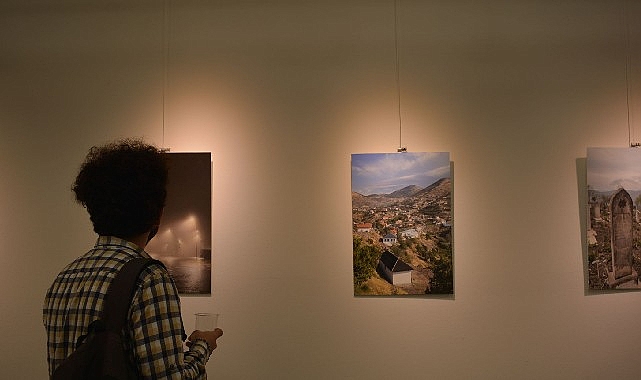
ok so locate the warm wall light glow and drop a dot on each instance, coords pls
(204, 111)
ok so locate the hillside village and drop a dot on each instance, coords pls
(410, 229)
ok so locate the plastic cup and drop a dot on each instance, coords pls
(206, 321)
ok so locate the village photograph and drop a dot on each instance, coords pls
(402, 224)
(613, 228)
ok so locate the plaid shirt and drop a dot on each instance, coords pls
(154, 336)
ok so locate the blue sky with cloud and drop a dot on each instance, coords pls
(384, 173)
(611, 168)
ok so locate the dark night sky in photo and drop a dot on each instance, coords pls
(189, 191)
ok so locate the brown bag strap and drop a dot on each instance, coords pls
(121, 290)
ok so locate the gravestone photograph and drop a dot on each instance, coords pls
(613, 229)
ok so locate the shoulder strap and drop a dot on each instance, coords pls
(118, 298)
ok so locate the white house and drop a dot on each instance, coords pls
(410, 233)
(395, 270)
(389, 240)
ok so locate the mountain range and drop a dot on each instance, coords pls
(414, 193)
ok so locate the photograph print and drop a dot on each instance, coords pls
(612, 227)
(183, 241)
(402, 224)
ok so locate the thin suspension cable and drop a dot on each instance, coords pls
(165, 53)
(627, 70)
(398, 78)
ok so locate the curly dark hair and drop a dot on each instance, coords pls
(123, 186)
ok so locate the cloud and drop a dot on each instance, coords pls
(611, 168)
(383, 173)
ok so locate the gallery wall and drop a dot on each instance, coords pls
(282, 93)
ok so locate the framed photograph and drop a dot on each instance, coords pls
(613, 229)
(183, 242)
(402, 224)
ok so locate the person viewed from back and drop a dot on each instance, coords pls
(123, 187)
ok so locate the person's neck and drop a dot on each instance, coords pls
(139, 240)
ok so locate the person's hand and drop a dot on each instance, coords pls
(208, 336)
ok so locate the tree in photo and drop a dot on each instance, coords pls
(365, 259)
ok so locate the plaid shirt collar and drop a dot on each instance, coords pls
(109, 242)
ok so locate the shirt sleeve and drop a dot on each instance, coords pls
(157, 331)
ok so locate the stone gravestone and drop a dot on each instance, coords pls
(594, 211)
(621, 208)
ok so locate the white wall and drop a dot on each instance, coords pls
(282, 92)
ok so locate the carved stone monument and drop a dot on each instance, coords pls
(594, 211)
(623, 274)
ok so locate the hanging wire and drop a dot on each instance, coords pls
(628, 69)
(165, 57)
(401, 148)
